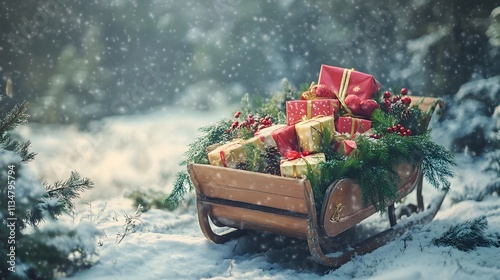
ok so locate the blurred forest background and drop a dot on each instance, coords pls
(77, 61)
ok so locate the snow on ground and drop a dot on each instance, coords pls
(121, 154)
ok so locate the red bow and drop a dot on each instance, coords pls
(291, 155)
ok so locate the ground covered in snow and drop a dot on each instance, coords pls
(123, 154)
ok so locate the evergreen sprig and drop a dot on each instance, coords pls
(66, 191)
(255, 158)
(16, 116)
(182, 184)
(468, 235)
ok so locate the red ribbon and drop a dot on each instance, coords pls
(223, 158)
(291, 155)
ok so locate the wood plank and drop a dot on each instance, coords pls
(262, 221)
(254, 197)
(426, 103)
(240, 179)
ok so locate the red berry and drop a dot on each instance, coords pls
(235, 124)
(387, 94)
(387, 103)
(389, 130)
(402, 130)
(395, 128)
(353, 102)
(406, 100)
(237, 114)
(395, 99)
(404, 91)
(408, 131)
(404, 133)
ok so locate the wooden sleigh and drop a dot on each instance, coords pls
(245, 200)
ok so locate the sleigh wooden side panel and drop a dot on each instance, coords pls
(248, 200)
(250, 187)
(343, 207)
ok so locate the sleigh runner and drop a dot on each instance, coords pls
(244, 200)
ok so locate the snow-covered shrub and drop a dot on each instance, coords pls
(33, 243)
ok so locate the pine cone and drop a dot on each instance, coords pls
(411, 118)
(241, 166)
(397, 108)
(272, 159)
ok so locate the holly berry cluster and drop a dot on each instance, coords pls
(390, 100)
(397, 129)
(250, 123)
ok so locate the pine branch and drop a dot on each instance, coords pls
(20, 148)
(468, 235)
(14, 118)
(255, 158)
(182, 184)
(67, 191)
(381, 121)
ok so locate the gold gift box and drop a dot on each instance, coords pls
(231, 153)
(310, 132)
(297, 167)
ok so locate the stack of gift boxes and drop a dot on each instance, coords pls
(336, 105)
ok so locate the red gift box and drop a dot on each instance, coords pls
(344, 82)
(299, 110)
(281, 136)
(352, 125)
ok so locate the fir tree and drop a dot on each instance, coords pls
(34, 244)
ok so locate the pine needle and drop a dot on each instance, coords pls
(67, 191)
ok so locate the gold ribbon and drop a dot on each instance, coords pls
(295, 171)
(344, 84)
(309, 109)
(308, 114)
(310, 94)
